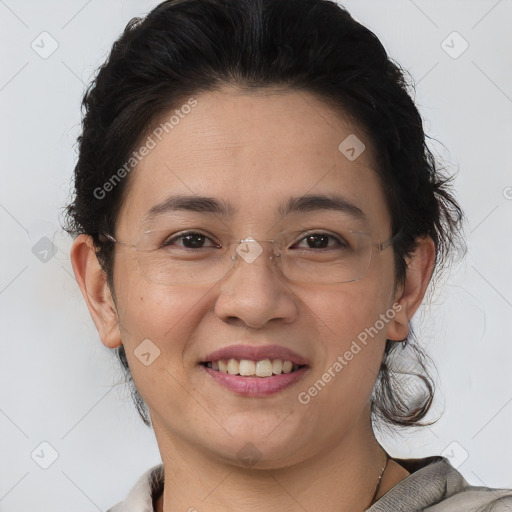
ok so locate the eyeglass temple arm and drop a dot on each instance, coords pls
(389, 241)
(103, 237)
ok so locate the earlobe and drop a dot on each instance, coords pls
(93, 283)
(411, 292)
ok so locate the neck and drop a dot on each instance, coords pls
(341, 479)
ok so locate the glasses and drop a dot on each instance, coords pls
(193, 257)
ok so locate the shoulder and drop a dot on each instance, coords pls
(503, 504)
(476, 499)
(434, 485)
(140, 497)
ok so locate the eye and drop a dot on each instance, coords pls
(190, 240)
(321, 241)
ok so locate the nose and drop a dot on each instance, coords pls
(254, 292)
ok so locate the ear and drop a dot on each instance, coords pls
(409, 295)
(93, 283)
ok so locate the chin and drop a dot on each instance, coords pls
(249, 455)
(253, 448)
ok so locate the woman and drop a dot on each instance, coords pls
(257, 220)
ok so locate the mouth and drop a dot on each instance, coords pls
(263, 368)
(254, 371)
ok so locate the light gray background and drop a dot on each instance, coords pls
(57, 378)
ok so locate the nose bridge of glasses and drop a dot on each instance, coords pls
(250, 249)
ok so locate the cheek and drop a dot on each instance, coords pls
(159, 321)
(148, 310)
(162, 314)
(341, 385)
(350, 327)
(345, 311)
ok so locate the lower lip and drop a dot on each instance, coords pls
(256, 386)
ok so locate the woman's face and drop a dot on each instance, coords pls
(255, 152)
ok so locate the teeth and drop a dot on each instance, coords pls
(277, 366)
(248, 368)
(264, 368)
(233, 366)
(287, 366)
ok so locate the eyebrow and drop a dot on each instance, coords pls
(306, 203)
(191, 204)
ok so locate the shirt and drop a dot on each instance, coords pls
(433, 485)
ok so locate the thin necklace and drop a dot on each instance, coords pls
(377, 487)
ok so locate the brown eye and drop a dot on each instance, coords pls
(190, 240)
(321, 241)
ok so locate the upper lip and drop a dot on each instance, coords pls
(255, 353)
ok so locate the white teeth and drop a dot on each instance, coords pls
(233, 366)
(248, 368)
(264, 368)
(287, 366)
(277, 366)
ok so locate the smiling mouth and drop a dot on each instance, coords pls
(248, 368)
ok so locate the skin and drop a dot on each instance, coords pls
(254, 150)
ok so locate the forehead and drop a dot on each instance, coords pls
(255, 151)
